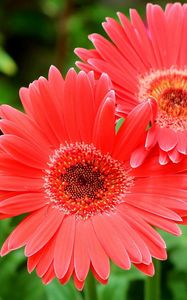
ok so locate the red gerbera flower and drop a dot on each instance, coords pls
(146, 61)
(63, 163)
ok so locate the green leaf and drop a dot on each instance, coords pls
(177, 285)
(119, 283)
(119, 123)
(8, 92)
(56, 291)
(7, 64)
(15, 281)
(178, 251)
(52, 7)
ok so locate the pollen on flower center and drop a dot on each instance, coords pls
(174, 102)
(169, 89)
(81, 180)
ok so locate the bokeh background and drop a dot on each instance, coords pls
(33, 35)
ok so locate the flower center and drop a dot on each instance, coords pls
(174, 102)
(169, 89)
(81, 180)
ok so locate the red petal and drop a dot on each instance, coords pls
(138, 156)
(167, 138)
(98, 256)
(104, 127)
(23, 151)
(147, 269)
(24, 231)
(46, 258)
(23, 203)
(45, 231)
(81, 255)
(49, 275)
(131, 132)
(63, 254)
(110, 241)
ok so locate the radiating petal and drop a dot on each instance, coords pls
(24, 231)
(109, 239)
(22, 203)
(44, 232)
(46, 257)
(64, 246)
(81, 254)
(139, 119)
(49, 275)
(15, 183)
(147, 269)
(104, 127)
(98, 256)
(23, 151)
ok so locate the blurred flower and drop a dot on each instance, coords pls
(63, 163)
(148, 61)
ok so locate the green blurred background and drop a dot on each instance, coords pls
(33, 35)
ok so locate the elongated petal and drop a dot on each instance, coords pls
(104, 130)
(109, 239)
(81, 255)
(98, 256)
(22, 151)
(15, 183)
(44, 232)
(23, 203)
(46, 258)
(23, 232)
(139, 119)
(64, 247)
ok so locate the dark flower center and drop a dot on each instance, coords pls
(174, 102)
(82, 181)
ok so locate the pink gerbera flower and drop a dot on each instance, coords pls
(63, 163)
(148, 61)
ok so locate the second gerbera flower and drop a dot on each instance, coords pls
(143, 61)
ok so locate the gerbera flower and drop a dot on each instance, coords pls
(63, 163)
(143, 61)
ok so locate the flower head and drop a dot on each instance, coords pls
(63, 163)
(148, 61)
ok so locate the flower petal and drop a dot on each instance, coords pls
(23, 151)
(81, 255)
(98, 256)
(22, 203)
(104, 129)
(167, 139)
(134, 125)
(23, 232)
(110, 240)
(64, 246)
(44, 232)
